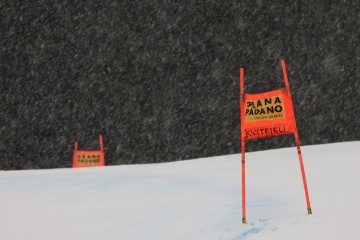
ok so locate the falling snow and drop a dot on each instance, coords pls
(159, 79)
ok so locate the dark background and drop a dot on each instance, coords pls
(160, 79)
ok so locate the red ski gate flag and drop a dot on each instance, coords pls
(265, 115)
(268, 114)
(89, 158)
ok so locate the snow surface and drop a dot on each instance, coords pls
(195, 199)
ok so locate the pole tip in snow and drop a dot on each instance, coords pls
(244, 220)
(309, 211)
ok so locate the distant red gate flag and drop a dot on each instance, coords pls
(265, 115)
(89, 158)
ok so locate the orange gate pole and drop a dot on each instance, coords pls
(101, 143)
(242, 118)
(75, 163)
(303, 172)
(297, 141)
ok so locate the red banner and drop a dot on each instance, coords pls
(89, 158)
(268, 114)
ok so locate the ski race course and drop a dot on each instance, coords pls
(193, 199)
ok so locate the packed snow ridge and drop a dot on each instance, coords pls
(195, 199)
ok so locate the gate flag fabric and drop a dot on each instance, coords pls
(268, 114)
(265, 115)
(89, 158)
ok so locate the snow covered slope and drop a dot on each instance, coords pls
(195, 199)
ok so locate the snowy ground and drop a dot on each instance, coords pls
(196, 199)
